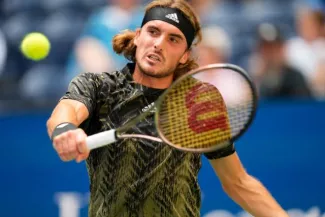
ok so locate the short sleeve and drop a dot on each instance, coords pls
(85, 88)
(224, 152)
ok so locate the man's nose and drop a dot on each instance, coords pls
(159, 43)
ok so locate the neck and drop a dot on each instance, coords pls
(149, 81)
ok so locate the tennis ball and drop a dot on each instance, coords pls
(35, 46)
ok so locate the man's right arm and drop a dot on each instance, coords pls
(71, 144)
(76, 106)
(67, 110)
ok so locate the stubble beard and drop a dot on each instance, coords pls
(159, 74)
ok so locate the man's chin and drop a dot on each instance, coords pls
(153, 74)
(154, 71)
(150, 71)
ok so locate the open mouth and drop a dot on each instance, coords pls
(154, 57)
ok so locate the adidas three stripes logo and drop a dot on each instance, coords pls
(173, 17)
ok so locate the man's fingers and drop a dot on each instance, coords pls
(58, 146)
(82, 147)
(65, 146)
(64, 158)
(81, 142)
(61, 145)
(79, 158)
(82, 157)
(72, 147)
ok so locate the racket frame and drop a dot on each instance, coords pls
(233, 67)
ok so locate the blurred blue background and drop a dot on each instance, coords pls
(280, 43)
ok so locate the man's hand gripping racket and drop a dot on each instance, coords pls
(201, 111)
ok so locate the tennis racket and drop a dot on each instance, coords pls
(202, 111)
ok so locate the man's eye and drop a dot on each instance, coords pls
(153, 32)
(174, 40)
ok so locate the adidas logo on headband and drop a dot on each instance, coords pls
(173, 17)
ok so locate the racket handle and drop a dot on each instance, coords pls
(101, 139)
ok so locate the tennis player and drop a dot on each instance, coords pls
(137, 177)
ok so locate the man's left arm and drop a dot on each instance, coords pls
(244, 189)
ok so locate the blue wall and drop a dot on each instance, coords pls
(284, 149)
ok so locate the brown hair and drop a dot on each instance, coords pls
(123, 42)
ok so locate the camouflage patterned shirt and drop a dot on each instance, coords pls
(133, 177)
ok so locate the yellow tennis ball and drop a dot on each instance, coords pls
(35, 46)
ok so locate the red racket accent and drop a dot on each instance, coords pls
(195, 109)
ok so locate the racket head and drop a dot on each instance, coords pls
(207, 108)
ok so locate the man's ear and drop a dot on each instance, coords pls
(185, 57)
(137, 34)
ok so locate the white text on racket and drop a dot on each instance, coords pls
(146, 108)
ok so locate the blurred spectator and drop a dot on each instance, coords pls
(306, 51)
(204, 9)
(3, 51)
(223, 13)
(316, 4)
(273, 77)
(215, 46)
(319, 81)
(93, 51)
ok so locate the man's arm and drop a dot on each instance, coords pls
(77, 104)
(67, 110)
(70, 144)
(244, 189)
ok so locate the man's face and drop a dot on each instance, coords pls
(160, 48)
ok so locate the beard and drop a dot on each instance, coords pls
(158, 74)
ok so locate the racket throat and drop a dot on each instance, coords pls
(139, 136)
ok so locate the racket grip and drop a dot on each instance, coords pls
(101, 139)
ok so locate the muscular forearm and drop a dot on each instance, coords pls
(67, 111)
(252, 196)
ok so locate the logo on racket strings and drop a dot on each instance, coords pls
(206, 109)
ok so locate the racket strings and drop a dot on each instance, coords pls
(239, 117)
(206, 110)
(239, 110)
(194, 116)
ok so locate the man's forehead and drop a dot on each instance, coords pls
(164, 26)
(174, 17)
